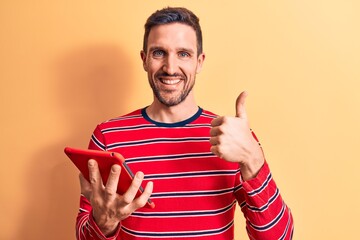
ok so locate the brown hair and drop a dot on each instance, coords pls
(172, 15)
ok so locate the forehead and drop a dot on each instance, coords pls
(172, 35)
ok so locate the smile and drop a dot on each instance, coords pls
(170, 81)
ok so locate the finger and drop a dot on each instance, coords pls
(130, 194)
(95, 177)
(240, 105)
(214, 141)
(217, 121)
(215, 131)
(85, 186)
(144, 197)
(112, 182)
(215, 150)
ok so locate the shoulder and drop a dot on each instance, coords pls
(133, 114)
(207, 113)
(131, 118)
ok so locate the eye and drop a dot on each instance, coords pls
(184, 54)
(158, 53)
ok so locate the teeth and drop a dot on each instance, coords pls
(170, 82)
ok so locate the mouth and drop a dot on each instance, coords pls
(170, 81)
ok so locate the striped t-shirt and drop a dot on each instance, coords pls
(195, 192)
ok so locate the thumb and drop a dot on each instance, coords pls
(240, 105)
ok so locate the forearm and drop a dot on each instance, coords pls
(267, 215)
(86, 227)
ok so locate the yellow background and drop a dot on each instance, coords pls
(67, 65)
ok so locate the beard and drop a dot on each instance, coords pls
(170, 97)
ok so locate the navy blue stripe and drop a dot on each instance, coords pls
(292, 233)
(148, 126)
(271, 224)
(169, 157)
(271, 200)
(125, 118)
(237, 187)
(190, 174)
(197, 125)
(193, 194)
(183, 214)
(208, 115)
(97, 142)
(256, 191)
(178, 234)
(127, 128)
(114, 145)
(286, 229)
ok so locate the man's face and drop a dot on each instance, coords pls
(171, 62)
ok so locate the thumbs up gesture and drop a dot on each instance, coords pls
(232, 140)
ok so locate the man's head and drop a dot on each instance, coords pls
(172, 54)
(174, 15)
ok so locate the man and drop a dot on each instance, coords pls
(196, 166)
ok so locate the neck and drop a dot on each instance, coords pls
(180, 112)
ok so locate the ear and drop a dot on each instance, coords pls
(200, 62)
(143, 58)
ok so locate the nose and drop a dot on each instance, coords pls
(170, 64)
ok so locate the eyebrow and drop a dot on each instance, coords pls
(186, 50)
(189, 50)
(151, 49)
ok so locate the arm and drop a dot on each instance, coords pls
(101, 208)
(86, 227)
(267, 216)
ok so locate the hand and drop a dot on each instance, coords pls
(108, 207)
(232, 140)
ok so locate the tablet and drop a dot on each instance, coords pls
(105, 160)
